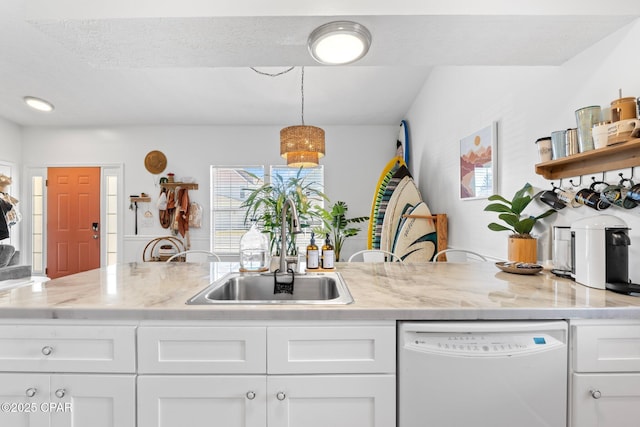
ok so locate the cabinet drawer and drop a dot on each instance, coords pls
(606, 347)
(47, 348)
(331, 350)
(605, 400)
(206, 350)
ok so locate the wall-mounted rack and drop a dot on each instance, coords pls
(137, 199)
(442, 234)
(614, 157)
(173, 185)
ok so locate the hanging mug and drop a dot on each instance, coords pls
(568, 197)
(550, 198)
(634, 193)
(617, 194)
(590, 197)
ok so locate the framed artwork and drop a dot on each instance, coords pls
(478, 157)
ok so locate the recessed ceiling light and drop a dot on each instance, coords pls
(38, 104)
(339, 42)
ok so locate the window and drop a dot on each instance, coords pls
(229, 188)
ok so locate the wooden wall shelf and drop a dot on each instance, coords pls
(614, 157)
(173, 185)
(140, 199)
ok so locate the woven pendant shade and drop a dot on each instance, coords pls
(300, 159)
(302, 145)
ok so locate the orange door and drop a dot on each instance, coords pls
(73, 216)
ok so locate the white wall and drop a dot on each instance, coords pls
(527, 103)
(355, 155)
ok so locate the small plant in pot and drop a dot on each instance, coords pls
(522, 246)
(339, 226)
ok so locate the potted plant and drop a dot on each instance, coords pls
(339, 225)
(264, 204)
(522, 246)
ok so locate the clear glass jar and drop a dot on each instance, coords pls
(254, 250)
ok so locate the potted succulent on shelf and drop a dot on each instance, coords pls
(522, 246)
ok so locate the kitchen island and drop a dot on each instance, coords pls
(122, 342)
(382, 291)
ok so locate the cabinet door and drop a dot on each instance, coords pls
(201, 401)
(336, 401)
(605, 400)
(21, 397)
(92, 400)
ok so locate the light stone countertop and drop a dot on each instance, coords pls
(382, 291)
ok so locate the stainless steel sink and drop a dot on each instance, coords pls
(242, 288)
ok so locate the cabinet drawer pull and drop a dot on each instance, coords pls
(60, 393)
(596, 394)
(31, 392)
(281, 395)
(251, 395)
(47, 350)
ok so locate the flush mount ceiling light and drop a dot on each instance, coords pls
(339, 42)
(38, 104)
(302, 145)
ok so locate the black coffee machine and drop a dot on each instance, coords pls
(617, 261)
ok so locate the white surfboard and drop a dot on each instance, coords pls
(416, 239)
(403, 199)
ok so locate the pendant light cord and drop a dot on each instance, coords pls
(302, 94)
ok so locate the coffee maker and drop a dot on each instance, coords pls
(600, 253)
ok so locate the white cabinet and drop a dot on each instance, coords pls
(331, 400)
(605, 380)
(292, 376)
(201, 400)
(50, 391)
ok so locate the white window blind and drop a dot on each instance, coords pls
(230, 187)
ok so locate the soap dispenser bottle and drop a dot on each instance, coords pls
(313, 254)
(328, 255)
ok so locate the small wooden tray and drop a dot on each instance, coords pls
(511, 267)
(319, 270)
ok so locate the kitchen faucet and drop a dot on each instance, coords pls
(295, 225)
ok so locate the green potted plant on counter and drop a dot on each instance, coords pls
(522, 245)
(265, 203)
(339, 226)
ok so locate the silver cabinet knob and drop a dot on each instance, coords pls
(596, 394)
(251, 395)
(47, 350)
(60, 393)
(31, 392)
(280, 395)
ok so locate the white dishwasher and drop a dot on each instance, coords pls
(482, 373)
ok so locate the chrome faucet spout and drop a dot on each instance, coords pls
(295, 229)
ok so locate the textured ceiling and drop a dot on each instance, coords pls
(137, 70)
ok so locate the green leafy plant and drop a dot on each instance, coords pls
(511, 213)
(265, 205)
(338, 225)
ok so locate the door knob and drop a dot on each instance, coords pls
(95, 236)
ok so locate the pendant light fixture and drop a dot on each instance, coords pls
(302, 145)
(339, 42)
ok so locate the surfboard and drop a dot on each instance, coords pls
(392, 186)
(416, 239)
(402, 143)
(384, 179)
(403, 199)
